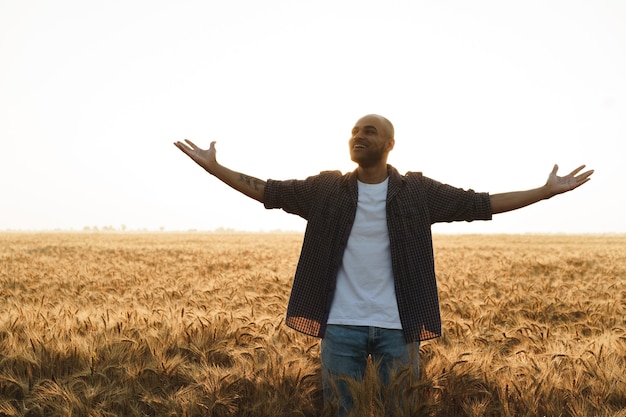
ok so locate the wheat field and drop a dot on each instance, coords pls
(166, 324)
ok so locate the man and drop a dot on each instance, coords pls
(365, 281)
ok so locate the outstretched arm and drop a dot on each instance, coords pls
(250, 186)
(503, 202)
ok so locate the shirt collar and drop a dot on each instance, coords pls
(395, 182)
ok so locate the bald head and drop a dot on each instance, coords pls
(388, 131)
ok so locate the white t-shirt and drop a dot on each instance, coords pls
(365, 293)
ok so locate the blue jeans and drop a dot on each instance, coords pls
(345, 351)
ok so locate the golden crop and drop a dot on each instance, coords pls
(108, 324)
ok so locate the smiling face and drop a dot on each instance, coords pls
(371, 141)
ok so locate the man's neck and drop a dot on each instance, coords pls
(372, 175)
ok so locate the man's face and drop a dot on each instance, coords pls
(370, 142)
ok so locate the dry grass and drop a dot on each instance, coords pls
(192, 325)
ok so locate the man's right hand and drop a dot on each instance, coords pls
(203, 157)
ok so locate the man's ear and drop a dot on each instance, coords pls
(390, 143)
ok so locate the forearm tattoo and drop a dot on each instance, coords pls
(251, 182)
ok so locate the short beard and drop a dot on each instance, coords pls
(369, 160)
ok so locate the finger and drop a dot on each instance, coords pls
(580, 182)
(185, 149)
(191, 144)
(181, 146)
(577, 170)
(586, 174)
(212, 146)
(554, 169)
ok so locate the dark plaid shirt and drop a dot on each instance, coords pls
(328, 202)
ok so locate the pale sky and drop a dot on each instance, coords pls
(485, 95)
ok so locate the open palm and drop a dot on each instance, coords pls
(203, 157)
(568, 182)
